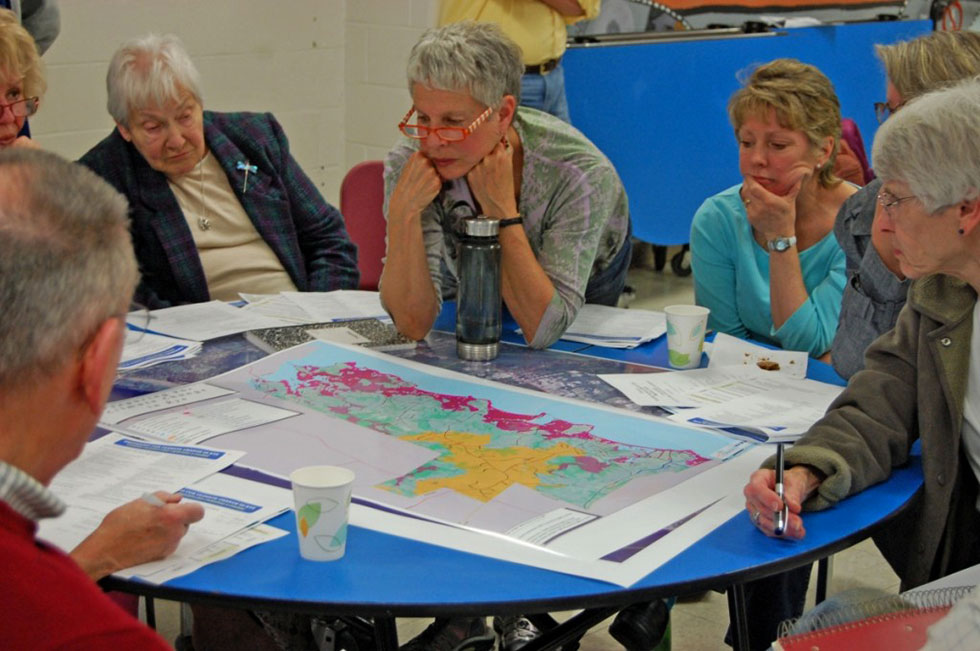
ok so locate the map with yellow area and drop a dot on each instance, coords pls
(478, 450)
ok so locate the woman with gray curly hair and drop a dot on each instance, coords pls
(469, 151)
(922, 379)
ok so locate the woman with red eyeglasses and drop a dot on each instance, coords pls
(21, 81)
(470, 151)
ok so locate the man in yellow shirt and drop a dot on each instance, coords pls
(539, 28)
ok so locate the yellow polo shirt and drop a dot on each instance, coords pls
(536, 27)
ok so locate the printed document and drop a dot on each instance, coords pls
(116, 469)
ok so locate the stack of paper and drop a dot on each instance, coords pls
(203, 321)
(115, 469)
(747, 391)
(615, 327)
(144, 349)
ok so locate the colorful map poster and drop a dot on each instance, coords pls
(578, 483)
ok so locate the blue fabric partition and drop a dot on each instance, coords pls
(658, 109)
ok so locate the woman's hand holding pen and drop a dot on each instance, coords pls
(762, 502)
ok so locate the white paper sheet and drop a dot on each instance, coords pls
(694, 388)
(198, 423)
(775, 416)
(203, 321)
(231, 505)
(144, 349)
(728, 351)
(117, 411)
(115, 469)
(276, 306)
(615, 327)
(342, 304)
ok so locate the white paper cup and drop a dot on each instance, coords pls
(322, 498)
(685, 334)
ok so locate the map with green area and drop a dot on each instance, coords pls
(479, 450)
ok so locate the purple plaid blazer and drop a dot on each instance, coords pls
(305, 232)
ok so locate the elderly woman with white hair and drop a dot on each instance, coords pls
(921, 380)
(219, 205)
(471, 151)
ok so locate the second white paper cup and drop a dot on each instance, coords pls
(322, 498)
(686, 325)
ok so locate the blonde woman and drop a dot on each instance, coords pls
(21, 81)
(764, 257)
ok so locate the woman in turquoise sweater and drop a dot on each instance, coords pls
(764, 255)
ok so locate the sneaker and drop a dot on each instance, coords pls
(453, 634)
(641, 627)
(514, 631)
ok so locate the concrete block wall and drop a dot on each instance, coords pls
(380, 34)
(331, 71)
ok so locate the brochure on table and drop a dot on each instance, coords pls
(747, 391)
(114, 469)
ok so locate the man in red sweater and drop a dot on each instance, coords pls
(67, 273)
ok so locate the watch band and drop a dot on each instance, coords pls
(780, 244)
(511, 221)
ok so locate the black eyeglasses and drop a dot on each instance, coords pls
(883, 110)
(22, 108)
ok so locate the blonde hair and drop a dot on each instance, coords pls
(803, 99)
(930, 62)
(19, 56)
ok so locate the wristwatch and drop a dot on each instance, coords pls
(781, 244)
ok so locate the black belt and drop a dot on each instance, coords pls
(542, 68)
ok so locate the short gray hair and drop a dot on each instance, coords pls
(66, 260)
(149, 71)
(933, 145)
(477, 58)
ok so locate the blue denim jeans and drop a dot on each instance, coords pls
(605, 286)
(546, 93)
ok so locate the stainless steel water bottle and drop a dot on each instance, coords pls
(478, 297)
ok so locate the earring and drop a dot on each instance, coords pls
(961, 231)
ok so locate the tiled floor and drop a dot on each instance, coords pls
(696, 625)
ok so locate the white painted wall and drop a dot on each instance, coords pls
(332, 71)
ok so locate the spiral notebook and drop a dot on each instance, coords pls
(867, 625)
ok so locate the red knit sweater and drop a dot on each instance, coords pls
(48, 602)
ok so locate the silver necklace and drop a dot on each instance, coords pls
(202, 221)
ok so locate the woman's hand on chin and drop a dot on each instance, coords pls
(492, 182)
(773, 215)
(417, 186)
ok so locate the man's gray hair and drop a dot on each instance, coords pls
(149, 71)
(475, 58)
(933, 145)
(66, 260)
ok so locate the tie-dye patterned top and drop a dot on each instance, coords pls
(574, 206)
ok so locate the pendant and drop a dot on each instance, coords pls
(204, 223)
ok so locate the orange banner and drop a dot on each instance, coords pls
(766, 5)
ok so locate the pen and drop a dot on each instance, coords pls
(779, 516)
(152, 499)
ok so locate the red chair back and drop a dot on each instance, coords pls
(851, 133)
(361, 203)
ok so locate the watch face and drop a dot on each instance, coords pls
(780, 244)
